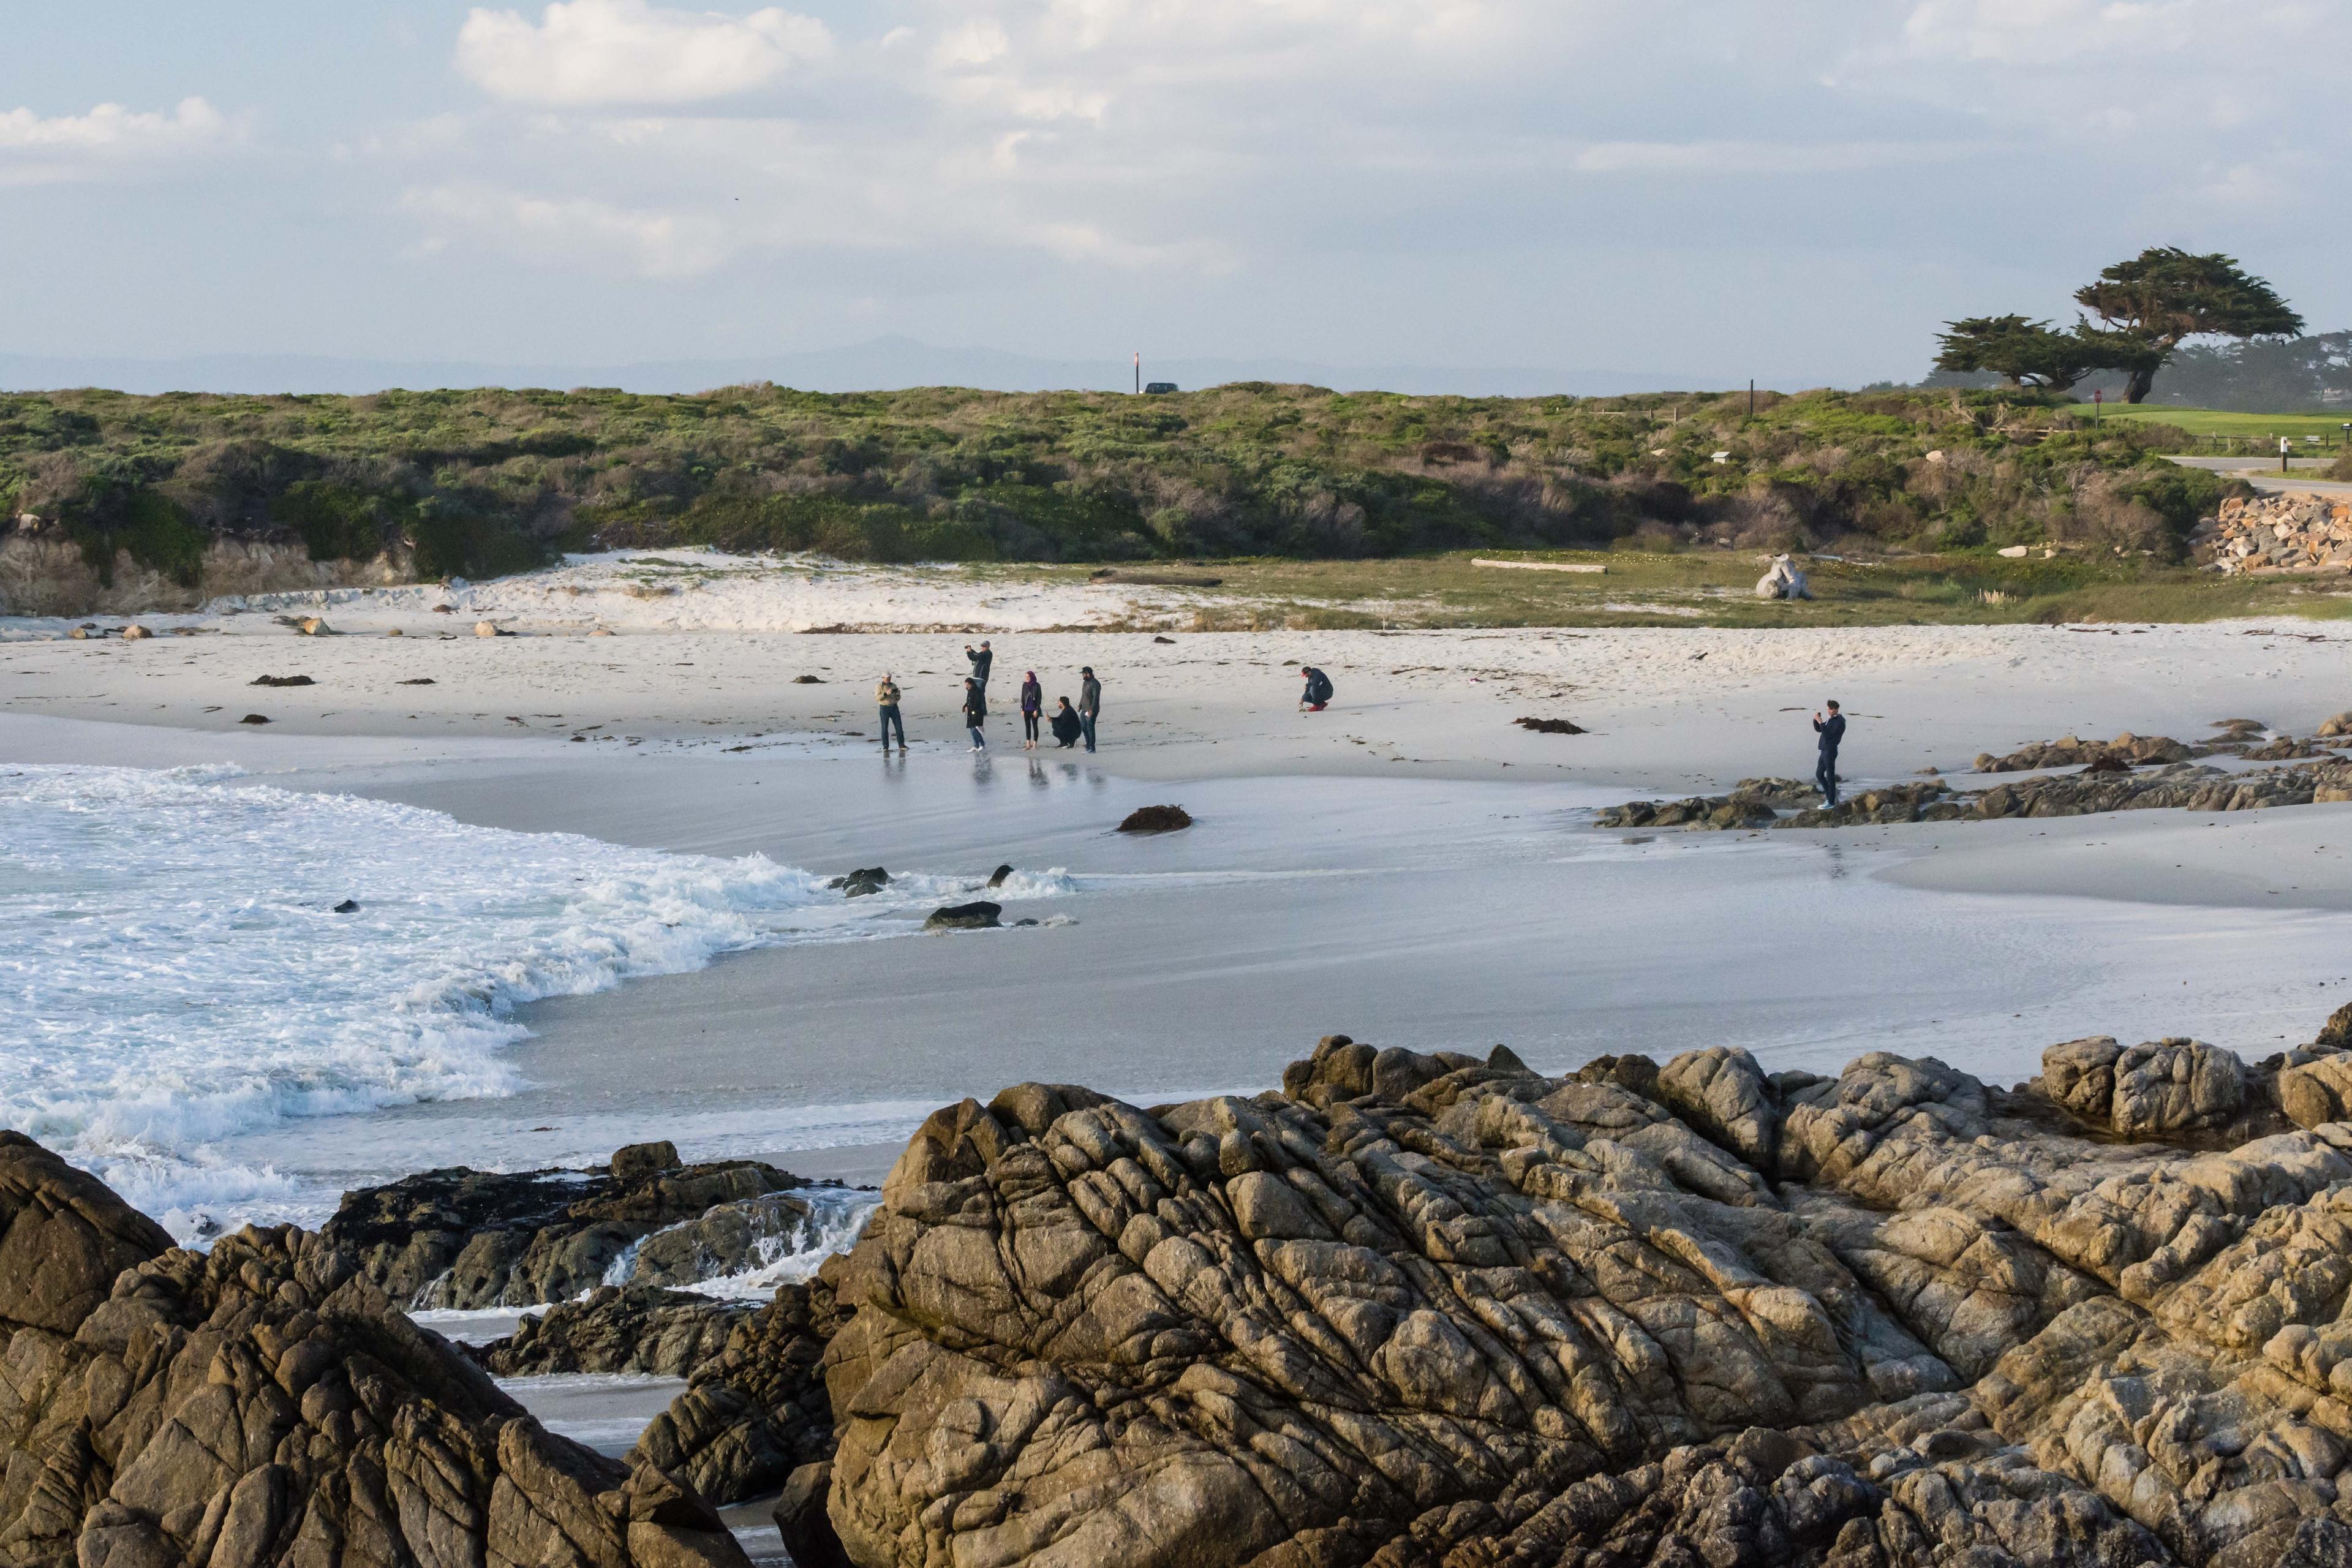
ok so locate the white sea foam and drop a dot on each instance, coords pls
(172, 971)
(835, 1216)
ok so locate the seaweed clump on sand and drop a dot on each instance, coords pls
(1156, 819)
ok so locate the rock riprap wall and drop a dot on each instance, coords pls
(1423, 1309)
(2295, 533)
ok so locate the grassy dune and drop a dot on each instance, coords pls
(1714, 588)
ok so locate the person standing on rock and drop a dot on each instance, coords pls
(980, 663)
(1033, 702)
(886, 697)
(975, 712)
(1832, 730)
(1089, 703)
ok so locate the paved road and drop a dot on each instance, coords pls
(2264, 474)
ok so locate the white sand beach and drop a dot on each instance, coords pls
(1408, 867)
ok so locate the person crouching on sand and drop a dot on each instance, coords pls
(1317, 695)
(886, 697)
(975, 712)
(1066, 728)
(1832, 730)
(1033, 701)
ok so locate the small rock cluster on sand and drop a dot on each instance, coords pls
(2066, 752)
(2277, 534)
(2107, 782)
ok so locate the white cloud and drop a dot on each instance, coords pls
(1245, 167)
(109, 140)
(1753, 157)
(593, 52)
(976, 43)
(2047, 32)
(649, 242)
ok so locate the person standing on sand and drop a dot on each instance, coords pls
(980, 663)
(1089, 703)
(1832, 730)
(1033, 701)
(975, 712)
(886, 697)
(1316, 694)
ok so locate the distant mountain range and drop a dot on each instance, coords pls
(880, 365)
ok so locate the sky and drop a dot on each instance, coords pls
(1800, 193)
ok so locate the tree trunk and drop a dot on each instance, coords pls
(2136, 383)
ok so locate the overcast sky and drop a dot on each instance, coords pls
(1797, 191)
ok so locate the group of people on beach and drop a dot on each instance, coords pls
(1069, 725)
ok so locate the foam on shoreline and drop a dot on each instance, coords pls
(174, 970)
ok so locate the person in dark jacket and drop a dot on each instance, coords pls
(1033, 702)
(1089, 703)
(1317, 696)
(980, 663)
(1066, 726)
(975, 712)
(1832, 730)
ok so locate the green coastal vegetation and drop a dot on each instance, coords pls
(480, 482)
(1912, 493)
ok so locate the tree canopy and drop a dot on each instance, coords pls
(2027, 352)
(2147, 308)
(2165, 294)
(2031, 354)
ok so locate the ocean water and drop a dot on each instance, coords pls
(174, 973)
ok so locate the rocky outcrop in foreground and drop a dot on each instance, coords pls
(265, 1404)
(1411, 1310)
(468, 1238)
(1423, 1309)
(755, 1408)
(759, 1411)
